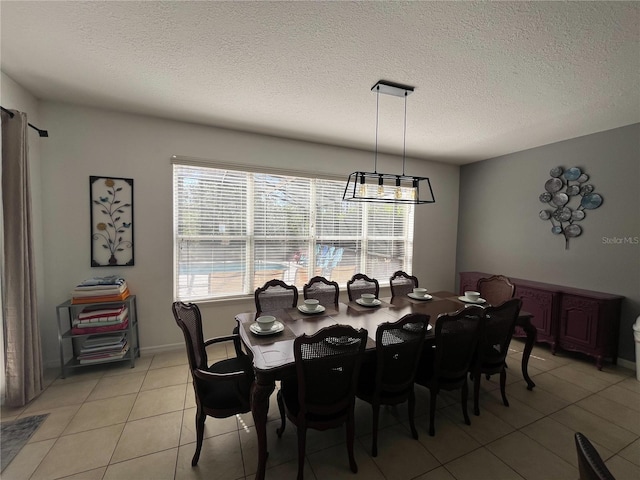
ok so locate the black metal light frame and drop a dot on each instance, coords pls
(367, 187)
(384, 187)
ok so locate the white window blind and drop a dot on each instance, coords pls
(235, 230)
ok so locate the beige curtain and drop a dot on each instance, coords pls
(23, 354)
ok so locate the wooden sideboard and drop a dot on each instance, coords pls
(565, 317)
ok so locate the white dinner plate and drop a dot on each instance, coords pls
(418, 297)
(318, 309)
(375, 303)
(277, 327)
(467, 300)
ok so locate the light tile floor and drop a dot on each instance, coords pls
(116, 423)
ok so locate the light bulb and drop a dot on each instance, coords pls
(414, 190)
(363, 190)
(380, 190)
(397, 193)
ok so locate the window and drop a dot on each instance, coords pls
(234, 230)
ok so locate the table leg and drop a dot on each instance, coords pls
(532, 333)
(260, 392)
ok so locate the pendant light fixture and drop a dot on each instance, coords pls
(387, 187)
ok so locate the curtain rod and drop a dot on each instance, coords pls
(42, 133)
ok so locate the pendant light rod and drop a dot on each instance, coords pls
(404, 135)
(375, 155)
(397, 90)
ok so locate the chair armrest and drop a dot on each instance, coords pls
(217, 377)
(226, 338)
(237, 343)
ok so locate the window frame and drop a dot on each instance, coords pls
(250, 238)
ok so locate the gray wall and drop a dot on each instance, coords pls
(499, 230)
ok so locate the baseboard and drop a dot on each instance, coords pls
(627, 364)
(172, 347)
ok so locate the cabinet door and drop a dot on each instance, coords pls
(541, 305)
(579, 323)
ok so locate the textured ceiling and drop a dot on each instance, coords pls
(490, 78)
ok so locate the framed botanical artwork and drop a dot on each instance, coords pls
(111, 221)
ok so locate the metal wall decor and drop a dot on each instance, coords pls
(111, 221)
(561, 190)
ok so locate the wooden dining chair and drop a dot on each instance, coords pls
(590, 464)
(275, 295)
(402, 283)
(496, 289)
(445, 365)
(323, 290)
(360, 284)
(389, 380)
(221, 389)
(493, 347)
(322, 395)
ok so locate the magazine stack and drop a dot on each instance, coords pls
(98, 348)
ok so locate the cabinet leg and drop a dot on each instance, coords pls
(599, 359)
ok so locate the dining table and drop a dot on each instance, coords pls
(273, 357)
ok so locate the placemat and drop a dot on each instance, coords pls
(286, 334)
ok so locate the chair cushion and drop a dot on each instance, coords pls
(222, 395)
(490, 368)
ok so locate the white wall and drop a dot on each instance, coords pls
(500, 231)
(14, 97)
(86, 141)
